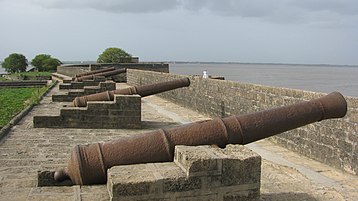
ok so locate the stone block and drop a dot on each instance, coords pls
(242, 166)
(185, 178)
(181, 184)
(131, 113)
(211, 197)
(131, 180)
(128, 102)
(196, 161)
(47, 121)
(97, 114)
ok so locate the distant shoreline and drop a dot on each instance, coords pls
(246, 63)
(2, 70)
(222, 62)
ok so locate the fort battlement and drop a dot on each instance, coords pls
(68, 96)
(73, 69)
(123, 112)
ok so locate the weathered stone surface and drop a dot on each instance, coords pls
(87, 90)
(191, 176)
(196, 161)
(123, 112)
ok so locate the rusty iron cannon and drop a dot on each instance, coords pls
(104, 74)
(94, 72)
(144, 90)
(88, 164)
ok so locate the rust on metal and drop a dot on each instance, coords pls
(144, 90)
(95, 72)
(88, 164)
(105, 74)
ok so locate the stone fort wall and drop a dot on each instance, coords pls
(73, 69)
(333, 142)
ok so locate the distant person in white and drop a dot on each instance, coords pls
(205, 74)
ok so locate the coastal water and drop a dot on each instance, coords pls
(318, 78)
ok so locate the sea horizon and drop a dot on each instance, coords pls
(323, 78)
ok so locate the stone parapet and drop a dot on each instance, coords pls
(73, 69)
(333, 142)
(123, 112)
(197, 173)
(87, 90)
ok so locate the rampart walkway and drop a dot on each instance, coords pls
(26, 150)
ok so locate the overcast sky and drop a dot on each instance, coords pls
(277, 31)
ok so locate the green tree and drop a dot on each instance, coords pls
(15, 63)
(38, 61)
(51, 64)
(114, 55)
(45, 62)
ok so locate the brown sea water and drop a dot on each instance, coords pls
(318, 78)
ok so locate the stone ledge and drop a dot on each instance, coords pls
(197, 173)
(61, 77)
(87, 90)
(81, 85)
(124, 112)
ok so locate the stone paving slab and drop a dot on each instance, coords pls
(26, 150)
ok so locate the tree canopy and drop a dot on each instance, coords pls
(114, 55)
(15, 63)
(45, 62)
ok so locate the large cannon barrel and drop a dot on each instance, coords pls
(144, 90)
(105, 74)
(88, 164)
(95, 72)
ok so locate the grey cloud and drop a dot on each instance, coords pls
(346, 7)
(243, 8)
(117, 6)
(278, 11)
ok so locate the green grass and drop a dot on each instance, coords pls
(33, 74)
(14, 100)
(2, 79)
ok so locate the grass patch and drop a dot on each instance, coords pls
(33, 74)
(25, 76)
(14, 100)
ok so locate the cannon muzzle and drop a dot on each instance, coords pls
(105, 74)
(144, 90)
(88, 164)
